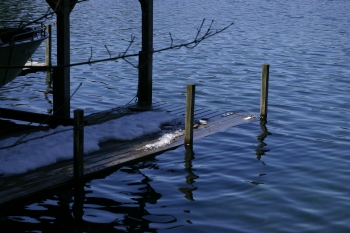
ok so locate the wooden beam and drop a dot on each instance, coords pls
(145, 56)
(34, 117)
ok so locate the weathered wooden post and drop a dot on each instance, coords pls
(189, 119)
(145, 55)
(79, 194)
(61, 74)
(48, 52)
(78, 144)
(264, 91)
(48, 45)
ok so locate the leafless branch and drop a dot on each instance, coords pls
(110, 55)
(171, 40)
(89, 62)
(21, 139)
(190, 45)
(130, 43)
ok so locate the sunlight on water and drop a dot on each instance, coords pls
(289, 175)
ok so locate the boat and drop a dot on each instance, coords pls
(17, 44)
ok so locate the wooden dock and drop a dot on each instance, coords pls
(114, 153)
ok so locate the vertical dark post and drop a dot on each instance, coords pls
(61, 74)
(48, 52)
(189, 120)
(264, 91)
(78, 144)
(79, 194)
(48, 45)
(146, 56)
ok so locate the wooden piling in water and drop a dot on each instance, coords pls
(189, 119)
(48, 45)
(78, 144)
(264, 91)
(48, 52)
(146, 56)
(61, 74)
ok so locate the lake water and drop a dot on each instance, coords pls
(292, 179)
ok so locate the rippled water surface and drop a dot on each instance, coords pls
(290, 176)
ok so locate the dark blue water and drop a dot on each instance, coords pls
(291, 176)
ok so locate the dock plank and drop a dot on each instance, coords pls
(114, 153)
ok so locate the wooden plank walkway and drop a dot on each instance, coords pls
(113, 153)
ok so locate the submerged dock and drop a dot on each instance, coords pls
(113, 154)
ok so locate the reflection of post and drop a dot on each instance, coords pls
(79, 197)
(188, 191)
(260, 152)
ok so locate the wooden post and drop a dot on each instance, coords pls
(48, 45)
(78, 144)
(79, 194)
(48, 52)
(264, 91)
(146, 56)
(189, 120)
(61, 74)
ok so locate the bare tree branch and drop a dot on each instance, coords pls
(190, 45)
(110, 55)
(21, 139)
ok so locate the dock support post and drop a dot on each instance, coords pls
(79, 194)
(145, 56)
(61, 74)
(78, 144)
(264, 91)
(48, 45)
(48, 52)
(189, 120)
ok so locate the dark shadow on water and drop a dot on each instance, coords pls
(260, 151)
(66, 209)
(190, 178)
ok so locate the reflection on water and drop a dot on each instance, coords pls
(20, 10)
(303, 164)
(79, 209)
(261, 151)
(190, 178)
